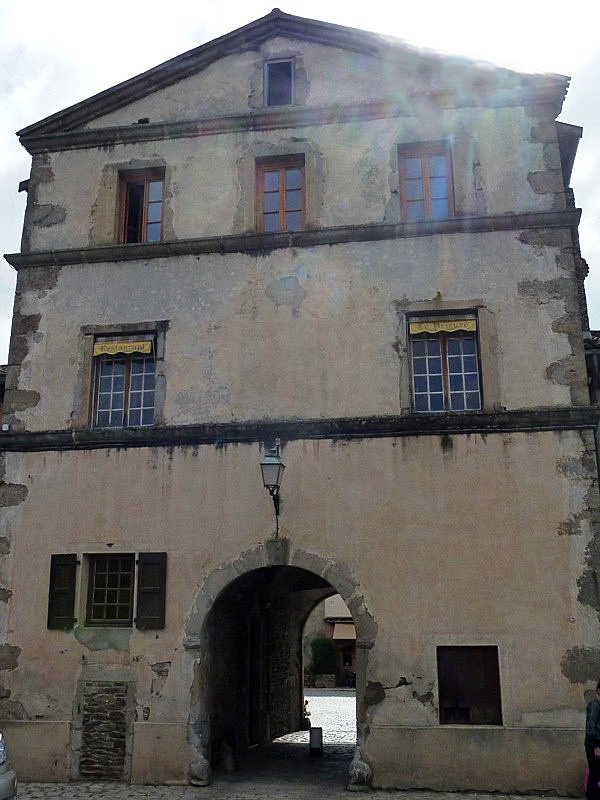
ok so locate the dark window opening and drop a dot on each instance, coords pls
(141, 208)
(469, 685)
(279, 83)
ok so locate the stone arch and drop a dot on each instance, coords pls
(271, 553)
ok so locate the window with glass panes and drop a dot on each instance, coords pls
(280, 196)
(141, 207)
(445, 366)
(425, 182)
(124, 392)
(110, 590)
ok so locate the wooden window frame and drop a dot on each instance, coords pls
(279, 164)
(144, 177)
(470, 702)
(267, 79)
(128, 358)
(423, 151)
(92, 621)
(442, 336)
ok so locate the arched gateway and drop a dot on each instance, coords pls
(243, 642)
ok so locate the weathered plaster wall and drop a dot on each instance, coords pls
(505, 161)
(395, 511)
(234, 83)
(324, 328)
(204, 507)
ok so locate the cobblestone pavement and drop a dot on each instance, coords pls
(332, 710)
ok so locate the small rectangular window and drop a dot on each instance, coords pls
(141, 206)
(110, 590)
(124, 382)
(280, 195)
(426, 191)
(279, 82)
(469, 685)
(445, 363)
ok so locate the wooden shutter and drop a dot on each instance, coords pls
(151, 589)
(61, 597)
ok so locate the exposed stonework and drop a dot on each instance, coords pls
(568, 370)
(374, 694)
(11, 494)
(10, 709)
(35, 213)
(547, 182)
(46, 215)
(104, 731)
(9, 656)
(581, 664)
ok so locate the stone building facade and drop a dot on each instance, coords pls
(303, 232)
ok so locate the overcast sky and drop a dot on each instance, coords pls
(53, 54)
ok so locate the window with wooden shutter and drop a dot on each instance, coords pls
(61, 597)
(151, 590)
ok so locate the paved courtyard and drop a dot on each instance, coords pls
(283, 770)
(334, 710)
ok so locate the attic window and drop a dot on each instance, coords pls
(279, 82)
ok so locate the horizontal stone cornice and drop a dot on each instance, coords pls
(263, 243)
(268, 119)
(346, 428)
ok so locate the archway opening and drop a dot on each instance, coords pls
(256, 667)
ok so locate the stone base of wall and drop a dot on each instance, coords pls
(511, 760)
(39, 751)
(448, 758)
(161, 753)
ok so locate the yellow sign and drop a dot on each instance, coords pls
(448, 325)
(112, 348)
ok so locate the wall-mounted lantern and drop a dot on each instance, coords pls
(272, 468)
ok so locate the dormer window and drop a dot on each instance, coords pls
(279, 82)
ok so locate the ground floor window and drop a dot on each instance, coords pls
(119, 590)
(469, 685)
